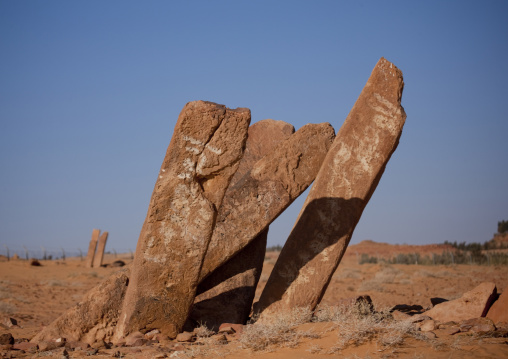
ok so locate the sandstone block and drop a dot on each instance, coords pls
(186, 337)
(91, 248)
(94, 318)
(273, 183)
(226, 295)
(348, 177)
(101, 246)
(203, 155)
(472, 304)
(499, 310)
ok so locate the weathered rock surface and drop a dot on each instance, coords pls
(348, 177)
(94, 318)
(472, 304)
(91, 248)
(273, 183)
(207, 143)
(477, 325)
(101, 246)
(499, 310)
(226, 295)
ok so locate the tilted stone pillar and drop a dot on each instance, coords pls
(207, 143)
(91, 248)
(348, 177)
(272, 184)
(226, 295)
(99, 255)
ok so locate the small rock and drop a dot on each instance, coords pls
(220, 339)
(140, 342)
(451, 330)
(427, 325)
(26, 346)
(477, 325)
(151, 334)
(100, 344)
(76, 345)
(6, 339)
(178, 347)
(161, 338)
(131, 338)
(447, 325)
(49, 345)
(226, 329)
(237, 328)
(185, 337)
(419, 318)
(118, 263)
(34, 262)
(8, 321)
(430, 335)
(398, 315)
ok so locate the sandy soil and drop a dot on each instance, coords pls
(35, 296)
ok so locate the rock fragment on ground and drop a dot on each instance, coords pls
(472, 304)
(498, 312)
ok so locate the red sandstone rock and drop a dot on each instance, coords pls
(91, 248)
(348, 177)
(186, 337)
(203, 155)
(226, 295)
(273, 183)
(26, 346)
(477, 325)
(94, 318)
(472, 304)
(499, 310)
(101, 246)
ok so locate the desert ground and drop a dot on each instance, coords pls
(36, 295)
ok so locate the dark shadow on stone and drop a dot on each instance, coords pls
(217, 310)
(324, 222)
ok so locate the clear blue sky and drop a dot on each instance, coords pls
(90, 92)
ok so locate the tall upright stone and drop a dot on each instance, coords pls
(91, 248)
(101, 246)
(272, 184)
(226, 295)
(345, 183)
(207, 143)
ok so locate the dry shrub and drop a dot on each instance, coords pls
(357, 325)
(203, 331)
(280, 331)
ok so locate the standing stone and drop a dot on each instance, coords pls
(226, 295)
(348, 177)
(97, 262)
(91, 248)
(207, 143)
(273, 183)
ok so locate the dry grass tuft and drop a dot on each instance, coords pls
(280, 331)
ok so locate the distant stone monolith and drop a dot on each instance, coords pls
(203, 155)
(348, 177)
(101, 246)
(91, 248)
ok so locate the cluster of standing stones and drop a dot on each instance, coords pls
(96, 249)
(201, 248)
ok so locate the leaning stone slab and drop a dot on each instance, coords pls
(472, 304)
(272, 184)
(91, 248)
(348, 177)
(101, 246)
(94, 318)
(226, 295)
(207, 143)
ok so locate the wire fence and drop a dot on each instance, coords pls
(52, 253)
